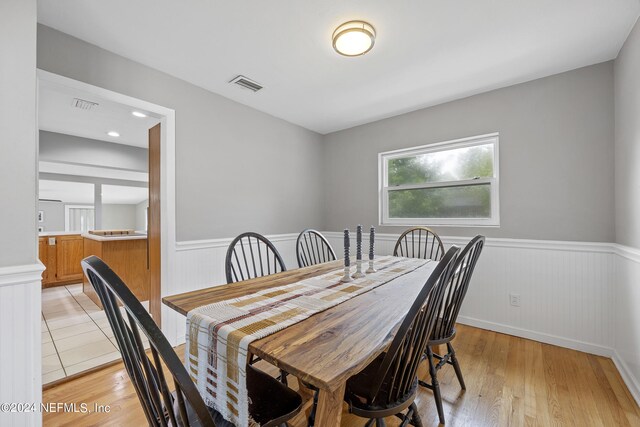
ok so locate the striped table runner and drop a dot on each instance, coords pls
(219, 334)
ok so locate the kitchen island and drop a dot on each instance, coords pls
(127, 257)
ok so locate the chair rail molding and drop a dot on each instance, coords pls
(21, 274)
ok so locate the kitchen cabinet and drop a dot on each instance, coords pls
(61, 256)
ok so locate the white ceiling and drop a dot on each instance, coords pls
(92, 171)
(426, 52)
(56, 113)
(67, 192)
(77, 192)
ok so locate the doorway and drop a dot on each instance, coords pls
(123, 183)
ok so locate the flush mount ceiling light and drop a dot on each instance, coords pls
(354, 38)
(138, 114)
(113, 133)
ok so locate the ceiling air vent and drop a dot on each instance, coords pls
(83, 104)
(246, 83)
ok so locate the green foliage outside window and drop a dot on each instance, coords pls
(468, 201)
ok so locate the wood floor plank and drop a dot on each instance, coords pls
(510, 381)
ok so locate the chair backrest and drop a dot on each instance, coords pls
(160, 406)
(313, 248)
(399, 367)
(251, 255)
(457, 289)
(419, 242)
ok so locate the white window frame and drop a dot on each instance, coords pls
(67, 225)
(383, 194)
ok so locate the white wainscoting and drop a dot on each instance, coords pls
(564, 287)
(580, 295)
(626, 319)
(200, 264)
(20, 341)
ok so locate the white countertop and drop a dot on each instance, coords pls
(59, 233)
(112, 238)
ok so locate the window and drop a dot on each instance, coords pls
(79, 218)
(451, 183)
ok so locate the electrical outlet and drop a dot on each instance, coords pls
(514, 300)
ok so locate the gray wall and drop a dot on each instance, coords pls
(17, 133)
(58, 147)
(117, 217)
(556, 157)
(53, 216)
(141, 215)
(237, 169)
(627, 141)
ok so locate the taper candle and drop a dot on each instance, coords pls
(347, 260)
(372, 236)
(358, 274)
(347, 243)
(359, 242)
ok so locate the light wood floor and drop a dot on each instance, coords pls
(510, 382)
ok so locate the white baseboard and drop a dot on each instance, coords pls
(537, 336)
(627, 376)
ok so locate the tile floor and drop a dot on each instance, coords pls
(75, 333)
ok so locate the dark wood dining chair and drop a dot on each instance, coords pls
(444, 330)
(252, 255)
(313, 248)
(388, 385)
(271, 403)
(419, 242)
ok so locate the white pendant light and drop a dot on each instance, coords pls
(354, 38)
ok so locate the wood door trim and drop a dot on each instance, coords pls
(154, 228)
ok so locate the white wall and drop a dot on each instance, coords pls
(53, 216)
(141, 215)
(20, 329)
(118, 217)
(627, 202)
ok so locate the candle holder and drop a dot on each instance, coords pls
(372, 237)
(358, 274)
(347, 260)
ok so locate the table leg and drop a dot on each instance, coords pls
(330, 407)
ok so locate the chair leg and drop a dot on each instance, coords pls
(415, 418)
(369, 423)
(380, 422)
(456, 365)
(435, 385)
(314, 409)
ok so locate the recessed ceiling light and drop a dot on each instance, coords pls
(354, 38)
(113, 133)
(138, 114)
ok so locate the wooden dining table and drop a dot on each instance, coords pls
(327, 348)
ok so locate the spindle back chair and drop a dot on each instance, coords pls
(313, 248)
(252, 255)
(444, 330)
(271, 403)
(419, 242)
(161, 407)
(389, 384)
